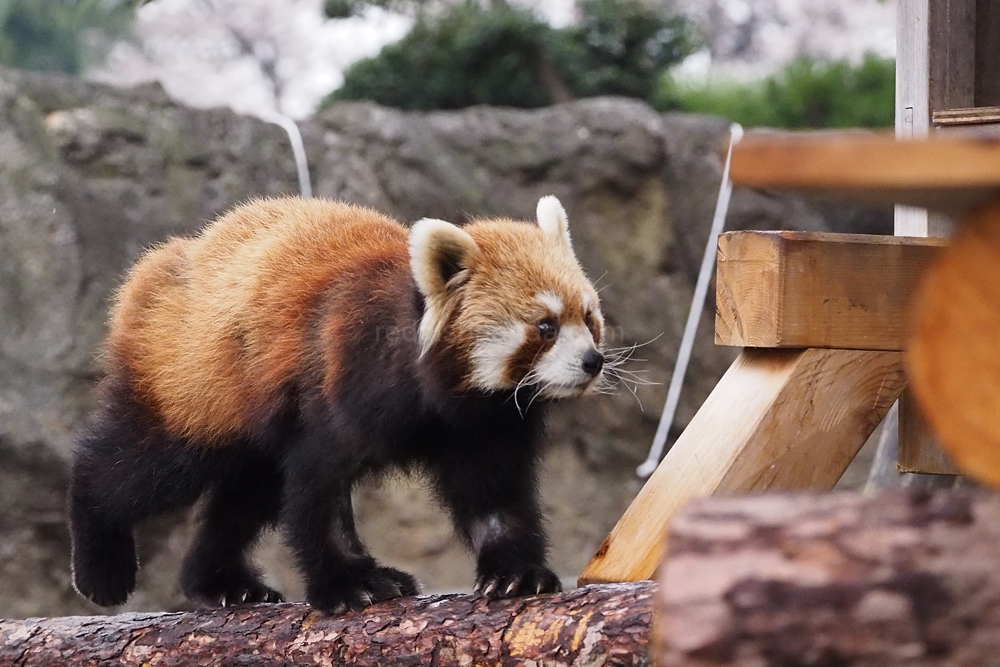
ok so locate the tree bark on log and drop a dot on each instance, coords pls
(596, 625)
(904, 578)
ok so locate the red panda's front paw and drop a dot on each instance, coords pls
(531, 580)
(228, 591)
(357, 589)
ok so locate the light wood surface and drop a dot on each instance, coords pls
(902, 579)
(951, 174)
(778, 419)
(954, 357)
(803, 289)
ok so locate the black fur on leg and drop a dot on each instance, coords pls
(217, 570)
(318, 519)
(125, 468)
(491, 492)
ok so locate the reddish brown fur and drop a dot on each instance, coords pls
(296, 346)
(212, 328)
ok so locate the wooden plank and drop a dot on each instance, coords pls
(967, 116)
(803, 289)
(987, 53)
(954, 358)
(778, 419)
(951, 174)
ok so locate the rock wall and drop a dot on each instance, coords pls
(89, 176)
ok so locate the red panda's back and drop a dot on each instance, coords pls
(210, 330)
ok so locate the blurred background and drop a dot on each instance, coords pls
(122, 122)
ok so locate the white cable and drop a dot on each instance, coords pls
(298, 148)
(694, 315)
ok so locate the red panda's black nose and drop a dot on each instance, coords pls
(593, 361)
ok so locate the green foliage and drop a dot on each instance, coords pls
(466, 56)
(505, 56)
(806, 94)
(620, 47)
(60, 35)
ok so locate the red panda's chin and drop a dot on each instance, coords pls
(556, 391)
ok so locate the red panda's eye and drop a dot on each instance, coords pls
(548, 329)
(588, 320)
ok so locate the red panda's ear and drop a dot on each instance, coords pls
(441, 256)
(552, 219)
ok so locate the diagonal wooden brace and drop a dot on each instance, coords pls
(778, 419)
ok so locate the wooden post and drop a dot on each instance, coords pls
(935, 70)
(778, 419)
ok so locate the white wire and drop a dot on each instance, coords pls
(298, 147)
(694, 315)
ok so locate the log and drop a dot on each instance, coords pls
(598, 625)
(904, 578)
(954, 356)
(803, 289)
(778, 419)
(951, 174)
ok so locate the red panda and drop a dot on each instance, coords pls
(296, 346)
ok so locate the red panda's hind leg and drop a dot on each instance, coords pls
(217, 570)
(125, 468)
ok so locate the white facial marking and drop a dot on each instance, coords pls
(551, 301)
(560, 369)
(492, 353)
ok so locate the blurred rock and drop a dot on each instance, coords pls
(89, 176)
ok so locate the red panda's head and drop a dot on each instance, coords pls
(510, 299)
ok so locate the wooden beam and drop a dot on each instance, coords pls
(902, 579)
(954, 356)
(951, 174)
(802, 289)
(778, 419)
